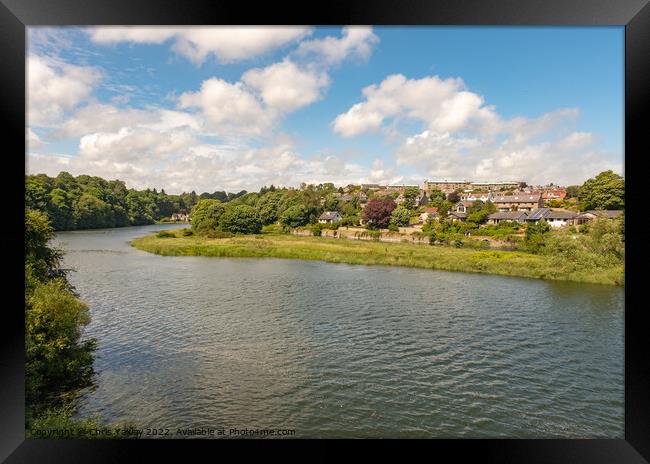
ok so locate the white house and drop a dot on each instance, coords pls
(329, 217)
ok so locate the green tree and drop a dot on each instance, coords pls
(605, 191)
(410, 195)
(90, 213)
(295, 216)
(206, 215)
(400, 216)
(241, 219)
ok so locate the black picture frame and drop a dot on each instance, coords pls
(16, 15)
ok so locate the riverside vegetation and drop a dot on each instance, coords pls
(58, 361)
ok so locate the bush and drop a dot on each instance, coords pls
(187, 232)
(165, 234)
(218, 234)
(241, 219)
(206, 215)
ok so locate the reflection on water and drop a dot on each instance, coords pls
(340, 350)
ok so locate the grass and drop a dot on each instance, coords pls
(509, 263)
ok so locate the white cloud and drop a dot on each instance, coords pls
(356, 42)
(443, 104)
(286, 87)
(54, 87)
(226, 43)
(229, 108)
(32, 140)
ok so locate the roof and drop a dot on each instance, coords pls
(508, 215)
(430, 210)
(328, 215)
(557, 214)
(457, 214)
(539, 213)
(608, 213)
(518, 198)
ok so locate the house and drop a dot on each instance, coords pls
(518, 202)
(514, 216)
(587, 216)
(446, 186)
(554, 194)
(429, 213)
(456, 216)
(559, 218)
(181, 216)
(554, 217)
(329, 217)
(477, 196)
(500, 185)
(462, 206)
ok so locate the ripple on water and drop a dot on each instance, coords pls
(341, 350)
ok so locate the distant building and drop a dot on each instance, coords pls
(514, 216)
(329, 217)
(554, 194)
(372, 187)
(462, 206)
(555, 218)
(456, 216)
(446, 186)
(429, 213)
(400, 188)
(495, 186)
(182, 215)
(518, 202)
(477, 196)
(590, 215)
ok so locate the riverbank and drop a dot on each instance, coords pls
(508, 263)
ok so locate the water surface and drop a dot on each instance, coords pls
(337, 350)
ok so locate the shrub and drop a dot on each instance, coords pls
(206, 215)
(218, 234)
(165, 234)
(187, 232)
(241, 219)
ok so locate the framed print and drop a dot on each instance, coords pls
(405, 221)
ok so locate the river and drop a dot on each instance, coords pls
(338, 350)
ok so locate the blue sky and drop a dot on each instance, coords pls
(227, 108)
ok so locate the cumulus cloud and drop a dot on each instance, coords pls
(463, 137)
(355, 42)
(55, 87)
(227, 43)
(101, 117)
(444, 104)
(286, 87)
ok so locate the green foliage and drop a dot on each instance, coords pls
(295, 216)
(206, 215)
(187, 232)
(43, 259)
(410, 195)
(165, 234)
(535, 236)
(57, 423)
(605, 191)
(241, 219)
(401, 216)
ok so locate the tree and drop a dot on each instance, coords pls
(206, 215)
(453, 197)
(241, 219)
(572, 191)
(295, 216)
(42, 258)
(436, 197)
(92, 213)
(535, 233)
(378, 213)
(410, 195)
(605, 191)
(401, 216)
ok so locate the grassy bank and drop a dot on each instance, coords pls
(508, 263)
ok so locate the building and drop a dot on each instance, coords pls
(400, 188)
(456, 216)
(429, 213)
(477, 196)
(592, 214)
(371, 187)
(329, 217)
(446, 186)
(513, 216)
(518, 202)
(462, 206)
(555, 218)
(182, 215)
(495, 186)
(554, 194)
